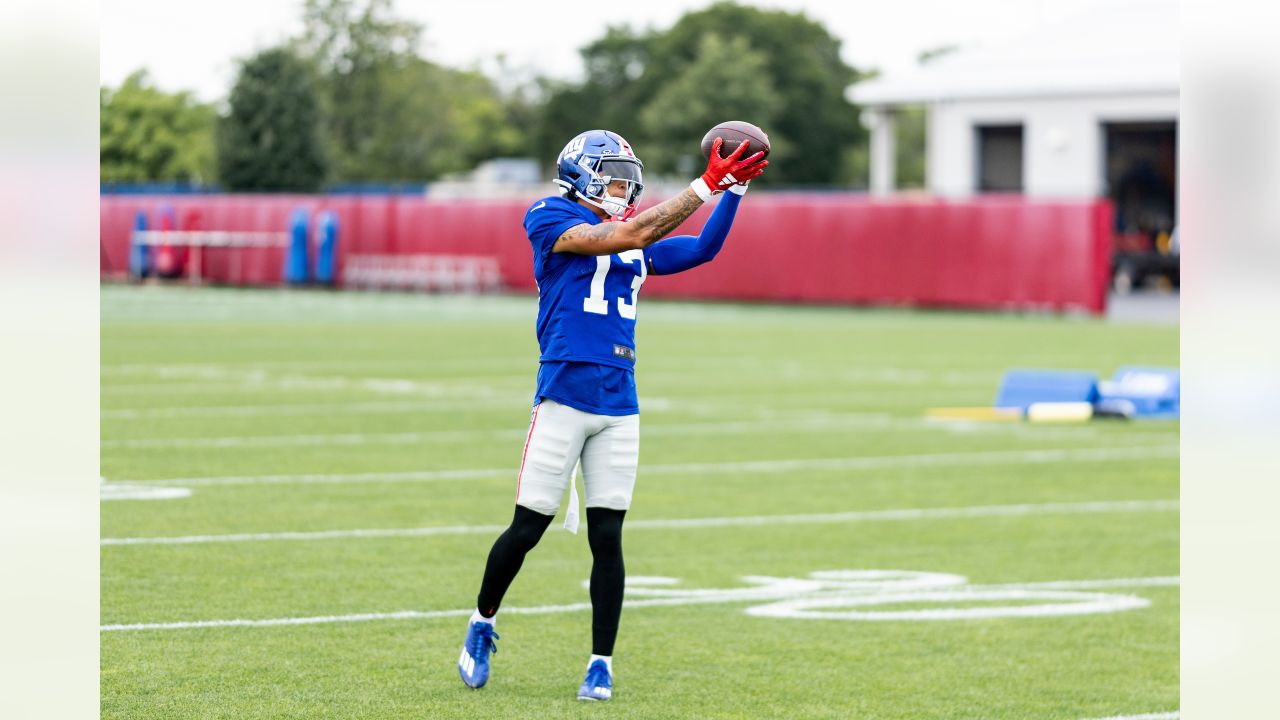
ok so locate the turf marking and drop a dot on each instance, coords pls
(650, 405)
(1173, 715)
(796, 422)
(818, 422)
(259, 381)
(118, 491)
(500, 365)
(1122, 506)
(995, 457)
(841, 595)
(814, 422)
(850, 608)
(520, 401)
(342, 408)
(826, 588)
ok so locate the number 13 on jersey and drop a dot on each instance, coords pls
(596, 302)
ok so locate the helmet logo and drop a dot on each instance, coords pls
(574, 148)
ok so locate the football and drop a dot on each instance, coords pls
(734, 132)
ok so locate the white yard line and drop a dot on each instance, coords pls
(120, 491)
(1121, 506)
(507, 398)
(813, 422)
(1173, 715)
(1158, 581)
(995, 457)
(232, 379)
(809, 422)
(750, 594)
(513, 401)
(650, 405)
(505, 366)
(787, 372)
(338, 479)
(1116, 506)
(253, 307)
(999, 457)
(344, 439)
(336, 408)
(323, 619)
(405, 387)
(213, 387)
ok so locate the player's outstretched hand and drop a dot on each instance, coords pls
(724, 173)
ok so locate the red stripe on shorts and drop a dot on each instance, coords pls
(532, 425)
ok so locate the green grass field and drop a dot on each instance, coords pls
(781, 435)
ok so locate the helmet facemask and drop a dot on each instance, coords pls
(609, 171)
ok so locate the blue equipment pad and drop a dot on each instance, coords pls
(1156, 392)
(1020, 388)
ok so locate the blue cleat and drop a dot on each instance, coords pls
(473, 663)
(599, 683)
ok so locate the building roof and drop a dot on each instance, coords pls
(1129, 48)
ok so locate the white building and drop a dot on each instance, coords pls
(1084, 108)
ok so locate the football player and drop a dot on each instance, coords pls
(590, 258)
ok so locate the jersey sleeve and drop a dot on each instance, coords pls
(683, 252)
(544, 223)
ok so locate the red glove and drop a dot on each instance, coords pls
(723, 173)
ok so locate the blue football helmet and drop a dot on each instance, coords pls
(591, 162)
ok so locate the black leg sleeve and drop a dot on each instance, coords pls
(507, 556)
(608, 576)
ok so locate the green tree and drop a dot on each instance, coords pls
(809, 120)
(566, 110)
(683, 109)
(390, 114)
(270, 138)
(146, 134)
(433, 121)
(815, 121)
(355, 53)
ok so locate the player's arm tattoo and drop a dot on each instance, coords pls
(646, 229)
(661, 219)
(591, 235)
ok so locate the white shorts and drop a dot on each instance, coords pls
(560, 436)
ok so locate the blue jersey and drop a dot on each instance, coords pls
(586, 313)
(591, 388)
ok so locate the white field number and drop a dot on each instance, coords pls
(869, 595)
(596, 302)
(825, 595)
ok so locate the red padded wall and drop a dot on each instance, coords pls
(992, 252)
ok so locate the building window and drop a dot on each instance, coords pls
(1141, 174)
(999, 154)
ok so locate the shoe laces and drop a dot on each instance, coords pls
(598, 675)
(481, 640)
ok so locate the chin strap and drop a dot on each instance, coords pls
(626, 214)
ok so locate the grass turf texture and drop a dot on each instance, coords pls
(245, 384)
